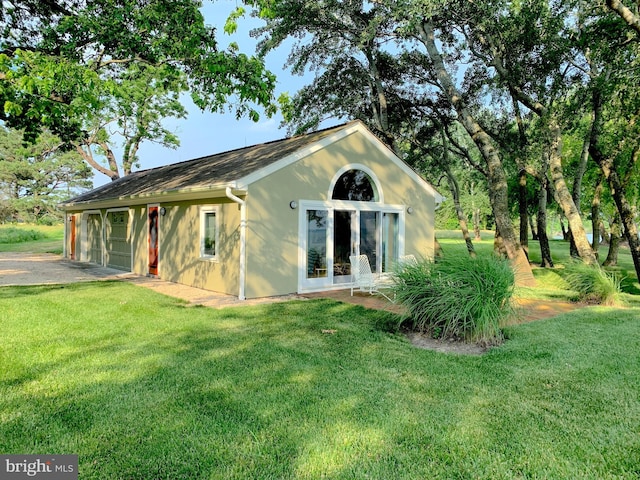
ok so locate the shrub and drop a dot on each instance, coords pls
(457, 297)
(593, 283)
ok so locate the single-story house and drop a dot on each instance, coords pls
(265, 220)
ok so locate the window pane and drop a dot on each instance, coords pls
(344, 241)
(369, 237)
(389, 241)
(316, 243)
(354, 185)
(210, 234)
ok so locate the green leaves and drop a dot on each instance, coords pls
(457, 296)
(74, 71)
(231, 25)
(35, 177)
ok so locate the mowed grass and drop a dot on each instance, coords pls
(31, 238)
(142, 386)
(551, 283)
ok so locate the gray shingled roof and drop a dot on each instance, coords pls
(202, 173)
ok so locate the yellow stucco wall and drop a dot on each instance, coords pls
(272, 238)
(179, 246)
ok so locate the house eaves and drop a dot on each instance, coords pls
(209, 176)
(185, 194)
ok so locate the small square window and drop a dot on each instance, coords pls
(209, 232)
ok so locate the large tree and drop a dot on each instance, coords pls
(34, 177)
(132, 113)
(423, 26)
(65, 63)
(529, 48)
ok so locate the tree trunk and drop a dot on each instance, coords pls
(573, 249)
(545, 250)
(381, 114)
(625, 210)
(565, 199)
(565, 233)
(615, 184)
(632, 19)
(604, 235)
(534, 229)
(438, 252)
(462, 219)
(595, 217)
(454, 188)
(524, 213)
(476, 224)
(614, 242)
(498, 244)
(496, 176)
(87, 155)
(577, 190)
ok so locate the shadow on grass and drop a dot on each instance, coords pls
(140, 387)
(205, 396)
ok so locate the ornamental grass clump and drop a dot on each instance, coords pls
(457, 297)
(593, 283)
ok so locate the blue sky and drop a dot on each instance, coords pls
(207, 133)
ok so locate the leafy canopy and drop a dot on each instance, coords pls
(59, 60)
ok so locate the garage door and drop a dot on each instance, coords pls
(118, 243)
(94, 238)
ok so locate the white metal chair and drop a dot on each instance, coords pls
(363, 278)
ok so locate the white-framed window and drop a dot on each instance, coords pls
(209, 220)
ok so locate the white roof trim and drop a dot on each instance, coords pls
(195, 193)
(297, 155)
(349, 129)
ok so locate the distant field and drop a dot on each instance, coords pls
(31, 238)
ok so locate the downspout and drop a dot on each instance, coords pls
(243, 240)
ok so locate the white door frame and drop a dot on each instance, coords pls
(326, 283)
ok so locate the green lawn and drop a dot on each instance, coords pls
(143, 387)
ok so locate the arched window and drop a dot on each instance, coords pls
(354, 185)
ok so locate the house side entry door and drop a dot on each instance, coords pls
(72, 227)
(153, 240)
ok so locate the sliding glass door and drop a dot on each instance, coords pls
(316, 246)
(330, 235)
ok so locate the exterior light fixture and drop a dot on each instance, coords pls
(409, 210)
(293, 204)
(163, 211)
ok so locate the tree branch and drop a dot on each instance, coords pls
(625, 13)
(87, 155)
